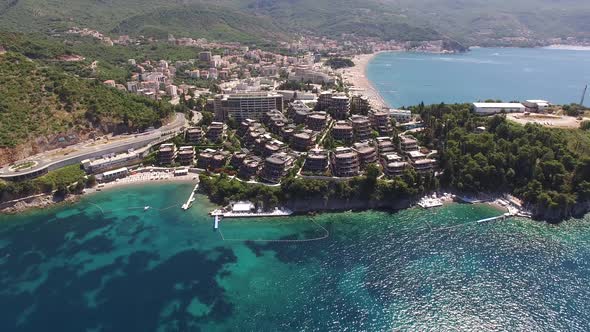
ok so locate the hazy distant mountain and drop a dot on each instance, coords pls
(469, 21)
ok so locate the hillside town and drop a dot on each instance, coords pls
(259, 115)
(262, 136)
(263, 116)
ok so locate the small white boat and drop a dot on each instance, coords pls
(145, 208)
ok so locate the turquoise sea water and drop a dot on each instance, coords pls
(73, 268)
(405, 79)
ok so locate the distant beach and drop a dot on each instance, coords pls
(568, 47)
(357, 77)
(408, 78)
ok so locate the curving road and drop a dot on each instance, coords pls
(50, 160)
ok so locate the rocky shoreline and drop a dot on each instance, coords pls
(36, 202)
(301, 206)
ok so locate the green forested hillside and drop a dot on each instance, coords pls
(469, 21)
(212, 22)
(38, 100)
(111, 60)
(150, 17)
(538, 164)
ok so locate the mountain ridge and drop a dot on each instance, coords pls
(471, 22)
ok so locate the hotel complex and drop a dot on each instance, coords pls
(246, 105)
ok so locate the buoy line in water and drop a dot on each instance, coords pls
(325, 236)
(149, 208)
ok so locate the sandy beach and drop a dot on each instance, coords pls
(568, 47)
(138, 179)
(144, 178)
(357, 77)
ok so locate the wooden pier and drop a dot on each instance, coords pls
(497, 218)
(191, 198)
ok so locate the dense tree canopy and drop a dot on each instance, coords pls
(531, 161)
(337, 63)
(39, 101)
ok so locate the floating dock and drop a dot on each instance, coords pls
(217, 219)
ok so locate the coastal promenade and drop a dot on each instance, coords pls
(50, 160)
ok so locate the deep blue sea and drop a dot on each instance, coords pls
(105, 264)
(405, 79)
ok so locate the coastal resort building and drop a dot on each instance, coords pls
(298, 111)
(408, 143)
(254, 135)
(212, 159)
(219, 160)
(186, 155)
(237, 159)
(362, 128)
(288, 131)
(340, 107)
(204, 158)
(246, 126)
(359, 104)
(389, 157)
(110, 161)
(166, 154)
(250, 167)
(385, 145)
(415, 155)
(113, 175)
(345, 162)
(316, 162)
(324, 101)
(343, 131)
(424, 165)
(275, 120)
(241, 106)
(381, 122)
(303, 140)
(216, 131)
(337, 105)
(395, 168)
(367, 154)
(272, 147)
(401, 116)
(276, 166)
(317, 121)
(495, 108)
(193, 135)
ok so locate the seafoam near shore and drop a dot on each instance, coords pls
(568, 47)
(357, 77)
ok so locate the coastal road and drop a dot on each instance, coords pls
(74, 154)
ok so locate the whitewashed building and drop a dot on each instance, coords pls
(494, 108)
(401, 116)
